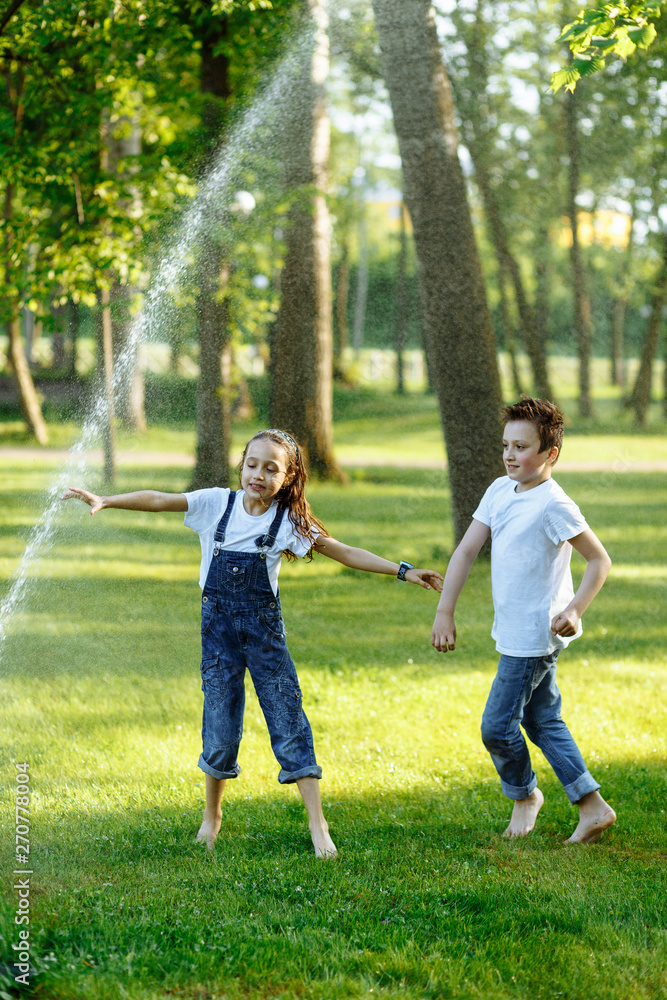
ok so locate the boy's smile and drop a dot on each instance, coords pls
(526, 465)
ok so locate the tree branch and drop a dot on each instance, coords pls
(9, 14)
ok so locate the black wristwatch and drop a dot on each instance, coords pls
(402, 570)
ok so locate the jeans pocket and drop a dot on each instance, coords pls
(207, 620)
(273, 624)
(212, 682)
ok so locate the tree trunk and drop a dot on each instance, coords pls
(28, 398)
(641, 394)
(542, 282)
(301, 361)
(58, 354)
(582, 306)
(131, 387)
(361, 294)
(508, 329)
(617, 349)
(74, 320)
(105, 370)
(342, 338)
(460, 334)
(617, 366)
(214, 385)
(25, 387)
(215, 362)
(533, 342)
(401, 303)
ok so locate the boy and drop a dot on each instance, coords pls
(533, 525)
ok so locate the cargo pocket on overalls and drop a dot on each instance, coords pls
(213, 683)
(290, 710)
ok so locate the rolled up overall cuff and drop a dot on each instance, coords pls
(289, 777)
(207, 769)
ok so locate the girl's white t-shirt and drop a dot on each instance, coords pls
(530, 563)
(206, 507)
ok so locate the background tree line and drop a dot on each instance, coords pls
(513, 217)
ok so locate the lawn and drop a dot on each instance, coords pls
(100, 696)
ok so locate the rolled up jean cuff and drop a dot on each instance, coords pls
(207, 769)
(581, 786)
(289, 777)
(521, 792)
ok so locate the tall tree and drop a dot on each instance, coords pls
(213, 388)
(458, 322)
(582, 305)
(302, 343)
(12, 297)
(641, 393)
(479, 128)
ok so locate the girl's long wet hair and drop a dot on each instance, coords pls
(292, 494)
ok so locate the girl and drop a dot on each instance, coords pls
(243, 536)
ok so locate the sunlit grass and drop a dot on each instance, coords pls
(101, 695)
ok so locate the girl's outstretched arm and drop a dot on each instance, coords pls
(142, 500)
(355, 558)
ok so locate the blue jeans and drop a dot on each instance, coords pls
(524, 693)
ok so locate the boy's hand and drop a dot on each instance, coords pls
(426, 578)
(443, 636)
(94, 502)
(566, 623)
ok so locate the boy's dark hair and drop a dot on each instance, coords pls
(546, 417)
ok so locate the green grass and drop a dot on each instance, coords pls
(100, 694)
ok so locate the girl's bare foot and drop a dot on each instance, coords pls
(595, 815)
(209, 829)
(318, 826)
(322, 842)
(524, 815)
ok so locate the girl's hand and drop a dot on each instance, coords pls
(426, 578)
(94, 502)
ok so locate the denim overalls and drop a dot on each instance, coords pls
(241, 626)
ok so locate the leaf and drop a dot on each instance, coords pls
(591, 64)
(604, 43)
(642, 37)
(566, 77)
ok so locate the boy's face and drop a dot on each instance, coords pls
(526, 465)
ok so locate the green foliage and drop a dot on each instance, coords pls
(610, 29)
(77, 82)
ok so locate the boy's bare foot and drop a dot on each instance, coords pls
(209, 829)
(595, 815)
(322, 842)
(524, 815)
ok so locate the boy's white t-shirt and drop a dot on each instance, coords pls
(206, 507)
(530, 563)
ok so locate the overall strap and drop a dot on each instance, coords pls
(222, 523)
(266, 541)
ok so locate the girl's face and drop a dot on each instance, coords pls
(264, 470)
